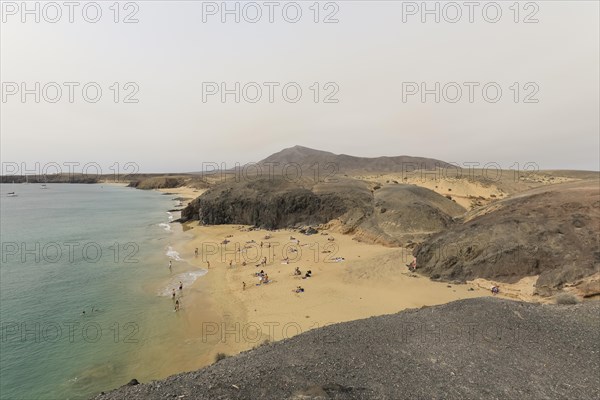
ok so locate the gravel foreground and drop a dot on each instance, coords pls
(485, 348)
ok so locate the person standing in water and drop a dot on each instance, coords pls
(180, 285)
(177, 306)
(173, 295)
(170, 265)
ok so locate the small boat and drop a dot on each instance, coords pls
(11, 194)
(44, 186)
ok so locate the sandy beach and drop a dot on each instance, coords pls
(350, 280)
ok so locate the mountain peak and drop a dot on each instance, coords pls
(306, 156)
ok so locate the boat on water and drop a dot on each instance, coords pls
(11, 194)
(44, 186)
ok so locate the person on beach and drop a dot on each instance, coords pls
(299, 289)
(173, 294)
(180, 285)
(495, 290)
(208, 265)
(170, 265)
(177, 306)
(230, 263)
(297, 271)
(308, 274)
(196, 252)
(243, 285)
(413, 265)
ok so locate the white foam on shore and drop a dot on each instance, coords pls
(186, 278)
(170, 214)
(165, 226)
(173, 254)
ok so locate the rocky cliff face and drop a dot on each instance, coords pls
(387, 215)
(152, 181)
(289, 209)
(270, 203)
(551, 231)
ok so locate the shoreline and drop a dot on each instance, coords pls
(185, 348)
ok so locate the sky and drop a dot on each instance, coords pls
(182, 83)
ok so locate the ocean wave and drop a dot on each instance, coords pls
(165, 226)
(174, 254)
(186, 278)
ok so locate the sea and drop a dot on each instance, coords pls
(85, 287)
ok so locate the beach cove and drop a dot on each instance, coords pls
(225, 308)
(229, 310)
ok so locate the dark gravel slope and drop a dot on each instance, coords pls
(483, 348)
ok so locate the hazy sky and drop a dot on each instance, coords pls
(373, 61)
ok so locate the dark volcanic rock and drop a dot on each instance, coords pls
(274, 203)
(311, 231)
(160, 182)
(483, 348)
(270, 203)
(551, 231)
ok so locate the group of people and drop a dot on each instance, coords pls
(173, 295)
(297, 272)
(263, 277)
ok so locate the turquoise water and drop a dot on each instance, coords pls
(73, 248)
